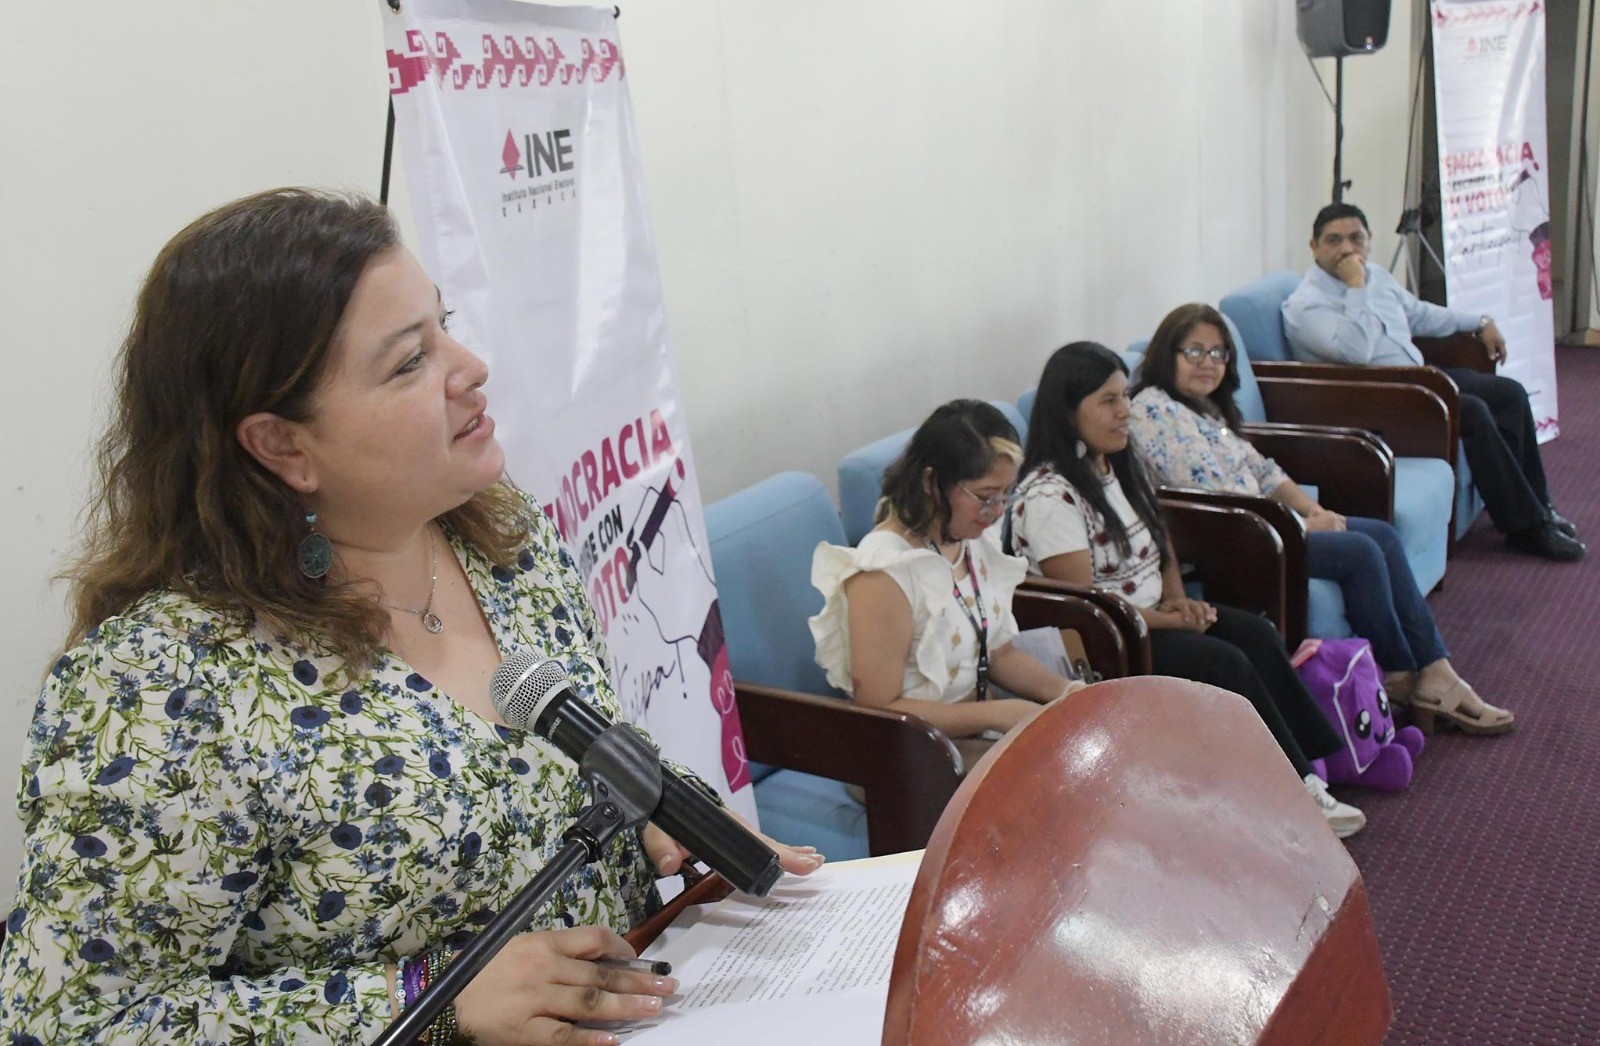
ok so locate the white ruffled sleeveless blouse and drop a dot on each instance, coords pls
(943, 665)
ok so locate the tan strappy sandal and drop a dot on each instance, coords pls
(1428, 709)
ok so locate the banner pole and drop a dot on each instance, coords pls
(388, 156)
(388, 137)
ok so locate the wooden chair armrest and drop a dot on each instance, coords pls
(907, 766)
(1411, 419)
(703, 890)
(1130, 623)
(1102, 640)
(1465, 350)
(1292, 534)
(1237, 553)
(1431, 378)
(1308, 429)
(1353, 471)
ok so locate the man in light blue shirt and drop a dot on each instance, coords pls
(1349, 311)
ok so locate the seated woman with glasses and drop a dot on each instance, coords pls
(917, 618)
(1086, 513)
(1186, 424)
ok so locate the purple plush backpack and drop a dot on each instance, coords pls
(1342, 676)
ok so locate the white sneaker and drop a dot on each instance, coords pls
(1344, 819)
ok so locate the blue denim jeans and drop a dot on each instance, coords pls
(1381, 599)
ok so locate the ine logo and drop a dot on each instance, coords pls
(547, 168)
(512, 158)
(548, 153)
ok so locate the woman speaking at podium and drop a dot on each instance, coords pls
(264, 791)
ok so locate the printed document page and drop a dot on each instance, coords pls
(810, 960)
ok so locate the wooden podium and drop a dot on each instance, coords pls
(1140, 864)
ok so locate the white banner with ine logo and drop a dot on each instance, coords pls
(1494, 183)
(517, 135)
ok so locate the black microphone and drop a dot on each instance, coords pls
(533, 693)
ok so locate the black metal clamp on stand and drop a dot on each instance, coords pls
(624, 772)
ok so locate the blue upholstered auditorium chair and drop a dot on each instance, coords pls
(1256, 311)
(804, 739)
(761, 543)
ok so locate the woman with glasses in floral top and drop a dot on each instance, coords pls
(1187, 425)
(917, 618)
(265, 790)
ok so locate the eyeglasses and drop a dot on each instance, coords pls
(1216, 354)
(1358, 240)
(993, 503)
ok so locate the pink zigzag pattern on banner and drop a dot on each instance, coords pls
(1496, 13)
(508, 62)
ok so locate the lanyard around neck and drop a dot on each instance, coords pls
(979, 620)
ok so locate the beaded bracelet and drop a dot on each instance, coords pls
(400, 983)
(444, 1031)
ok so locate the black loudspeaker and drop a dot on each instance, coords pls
(1329, 28)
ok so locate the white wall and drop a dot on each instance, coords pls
(863, 208)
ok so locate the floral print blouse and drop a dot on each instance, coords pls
(1189, 449)
(228, 837)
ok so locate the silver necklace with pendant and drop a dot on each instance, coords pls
(430, 620)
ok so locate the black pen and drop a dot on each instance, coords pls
(659, 967)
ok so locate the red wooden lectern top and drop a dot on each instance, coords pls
(1140, 864)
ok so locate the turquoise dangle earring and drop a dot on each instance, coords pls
(316, 551)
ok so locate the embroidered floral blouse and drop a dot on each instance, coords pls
(1050, 518)
(1189, 449)
(228, 837)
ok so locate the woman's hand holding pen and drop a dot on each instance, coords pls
(540, 983)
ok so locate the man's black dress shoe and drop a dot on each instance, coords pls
(1562, 523)
(1548, 541)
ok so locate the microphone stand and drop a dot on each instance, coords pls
(624, 772)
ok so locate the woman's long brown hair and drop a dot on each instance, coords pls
(238, 315)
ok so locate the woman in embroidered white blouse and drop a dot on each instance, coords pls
(1186, 424)
(1086, 513)
(917, 618)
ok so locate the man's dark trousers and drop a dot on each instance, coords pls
(1502, 446)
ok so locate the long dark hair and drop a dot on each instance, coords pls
(1160, 367)
(960, 442)
(1071, 374)
(239, 314)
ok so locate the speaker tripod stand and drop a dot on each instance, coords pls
(1409, 229)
